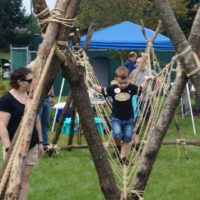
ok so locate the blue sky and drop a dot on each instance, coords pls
(27, 5)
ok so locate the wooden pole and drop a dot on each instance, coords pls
(36, 95)
(188, 63)
(71, 134)
(181, 135)
(60, 123)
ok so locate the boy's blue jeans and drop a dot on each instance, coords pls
(122, 129)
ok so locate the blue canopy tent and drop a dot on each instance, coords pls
(126, 35)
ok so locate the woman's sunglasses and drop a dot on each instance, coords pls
(27, 80)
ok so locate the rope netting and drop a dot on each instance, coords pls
(147, 108)
(149, 103)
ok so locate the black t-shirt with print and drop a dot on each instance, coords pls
(16, 110)
(122, 100)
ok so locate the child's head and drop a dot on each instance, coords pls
(132, 56)
(122, 77)
(138, 61)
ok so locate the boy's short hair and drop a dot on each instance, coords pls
(132, 54)
(122, 72)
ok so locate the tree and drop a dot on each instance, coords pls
(100, 12)
(13, 24)
(44, 72)
(189, 66)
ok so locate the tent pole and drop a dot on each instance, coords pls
(191, 112)
(60, 94)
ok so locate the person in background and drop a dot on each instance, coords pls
(12, 106)
(131, 61)
(44, 114)
(139, 78)
(121, 91)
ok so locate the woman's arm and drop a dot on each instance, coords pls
(4, 119)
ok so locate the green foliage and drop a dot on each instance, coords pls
(4, 86)
(14, 24)
(108, 12)
(184, 14)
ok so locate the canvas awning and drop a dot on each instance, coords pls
(127, 36)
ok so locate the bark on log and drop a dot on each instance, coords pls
(75, 75)
(181, 136)
(89, 36)
(188, 63)
(108, 187)
(165, 142)
(72, 126)
(60, 122)
(194, 39)
(35, 97)
(109, 191)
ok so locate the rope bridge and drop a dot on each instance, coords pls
(153, 98)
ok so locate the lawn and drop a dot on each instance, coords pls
(72, 176)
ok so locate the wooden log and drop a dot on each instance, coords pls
(72, 126)
(165, 142)
(89, 36)
(60, 123)
(181, 135)
(36, 95)
(75, 76)
(188, 63)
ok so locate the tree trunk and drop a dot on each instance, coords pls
(37, 94)
(188, 63)
(89, 36)
(75, 75)
(60, 123)
(194, 39)
(72, 126)
(98, 153)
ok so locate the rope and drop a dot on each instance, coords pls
(55, 15)
(197, 68)
(17, 149)
(139, 193)
(182, 142)
(52, 147)
(125, 174)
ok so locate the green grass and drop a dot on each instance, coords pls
(72, 175)
(5, 55)
(67, 175)
(172, 178)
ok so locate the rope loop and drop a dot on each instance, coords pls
(53, 147)
(56, 15)
(196, 69)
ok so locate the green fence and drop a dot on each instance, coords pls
(19, 56)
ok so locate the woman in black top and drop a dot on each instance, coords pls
(12, 106)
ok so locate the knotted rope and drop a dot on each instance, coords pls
(55, 15)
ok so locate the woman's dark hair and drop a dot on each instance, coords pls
(18, 74)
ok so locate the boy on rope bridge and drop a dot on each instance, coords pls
(122, 123)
